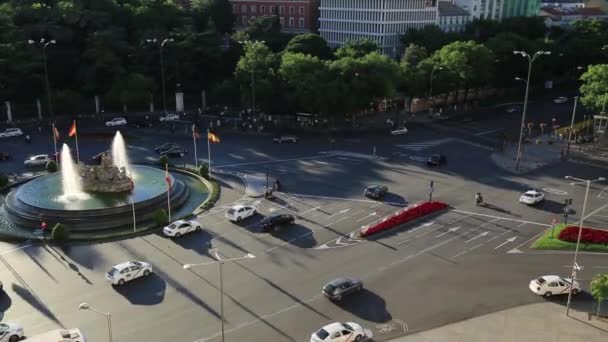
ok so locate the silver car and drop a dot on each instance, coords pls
(340, 287)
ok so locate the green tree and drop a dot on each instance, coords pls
(60, 233)
(163, 160)
(3, 180)
(599, 289)
(357, 48)
(203, 170)
(309, 44)
(266, 29)
(160, 217)
(51, 166)
(480, 30)
(305, 76)
(413, 55)
(594, 88)
(431, 37)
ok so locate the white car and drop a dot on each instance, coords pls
(286, 139)
(181, 227)
(550, 285)
(341, 332)
(240, 212)
(37, 160)
(399, 131)
(116, 122)
(561, 99)
(127, 271)
(532, 197)
(169, 117)
(59, 335)
(10, 332)
(11, 132)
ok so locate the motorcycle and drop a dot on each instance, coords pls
(478, 199)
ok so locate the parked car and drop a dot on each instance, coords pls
(375, 191)
(96, 159)
(286, 139)
(276, 221)
(121, 273)
(181, 227)
(399, 131)
(166, 146)
(5, 156)
(585, 139)
(532, 197)
(174, 152)
(550, 285)
(436, 160)
(59, 335)
(561, 99)
(340, 287)
(341, 332)
(513, 109)
(169, 117)
(116, 122)
(37, 160)
(11, 132)
(240, 212)
(11, 332)
(140, 121)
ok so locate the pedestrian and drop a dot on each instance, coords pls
(219, 123)
(28, 139)
(43, 227)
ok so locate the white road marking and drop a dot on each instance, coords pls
(602, 222)
(274, 161)
(477, 237)
(343, 211)
(459, 254)
(476, 246)
(451, 230)
(343, 199)
(14, 249)
(501, 217)
(375, 205)
(488, 132)
(427, 224)
(402, 242)
(365, 217)
(506, 242)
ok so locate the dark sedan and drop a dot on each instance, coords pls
(274, 222)
(166, 146)
(436, 160)
(173, 152)
(340, 287)
(375, 191)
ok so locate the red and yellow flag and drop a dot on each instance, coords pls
(56, 133)
(72, 131)
(167, 177)
(213, 137)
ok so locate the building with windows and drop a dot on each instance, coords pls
(383, 21)
(483, 9)
(295, 16)
(452, 18)
(521, 8)
(565, 16)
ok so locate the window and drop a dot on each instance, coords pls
(292, 10)
(262, 9)
(253, 8)
(244, 9)
(281, 10)
(282, 21)
(272, 10)
(244, 20)
(291, 22)
(301, 10)
(235, 8)
(301, 23)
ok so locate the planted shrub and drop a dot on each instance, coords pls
(203, 170)
(161, 217)
(163, 160)
(60, 232)
(51, 166)
(3, 179)
(589, 235)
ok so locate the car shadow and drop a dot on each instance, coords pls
(583, 302)
(554, 207)
(366, 305)
(251, 224)
(394, 199)
(283, 203)
(498, 209)
(297, 235)
(148, 290)
(197, 241)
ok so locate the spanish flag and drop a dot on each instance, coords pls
(167, 176)
(72, 131)
(195, 134)
(56, 132)
(213, 137)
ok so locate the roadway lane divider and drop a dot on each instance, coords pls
(405, 215)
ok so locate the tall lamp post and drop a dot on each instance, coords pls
(431, 86)
(531, 60)
(86, 306)
(43, 45)
(248, 43)
(162, 65)
(220, 261)
(580, 230)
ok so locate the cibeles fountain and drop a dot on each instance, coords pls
(93, 197)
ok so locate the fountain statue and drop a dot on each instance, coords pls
(119, 153)
(106, 177)
(72, 187)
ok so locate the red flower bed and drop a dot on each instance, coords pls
(402, 216)
(589, 235)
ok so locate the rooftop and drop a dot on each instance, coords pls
(545, 2)
(561, 11)
(447, 9)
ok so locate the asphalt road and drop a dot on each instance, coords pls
(462, 263)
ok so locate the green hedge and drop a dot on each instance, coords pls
(547, 241)
(51, 166)
(60, 233)
(3, 180)
(214, 195)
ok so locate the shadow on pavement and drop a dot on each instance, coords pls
(394, 199)
(198, 241)
(296, 235)
(554, 207)
(86, 256)
(498, 209)
(366, 305)
(35, 302)
(148, 290)
(5, 302)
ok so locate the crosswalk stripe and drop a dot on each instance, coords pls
(425, 144)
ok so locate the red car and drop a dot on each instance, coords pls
(4, 156)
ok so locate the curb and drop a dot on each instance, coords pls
(243, 178)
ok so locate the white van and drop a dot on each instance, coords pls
(59, 335)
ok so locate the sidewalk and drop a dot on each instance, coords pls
(533, 155)
(533, 322)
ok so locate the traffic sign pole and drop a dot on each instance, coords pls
(431, 191)
(553, 223)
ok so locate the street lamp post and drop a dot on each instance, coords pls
(572, 125)
(220, 262)
(162, 66)
(44, 44)
(246, 43)
(431, 86)
(86, 306)
(580, 230)
(531, 60)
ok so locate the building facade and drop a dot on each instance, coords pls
(295, 16)
(452, 18)
(383, 21)
(564, 17)
(482, 9)
(521, 8)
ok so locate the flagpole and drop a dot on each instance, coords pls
(55, 144)
(168, 191)
(133, 202)
(194, 140)
(209, 152)
(77, 152)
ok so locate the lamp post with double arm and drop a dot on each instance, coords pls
(87, 306)
(43, 44)
(162, 43)
(436, 67)
(220, 261)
